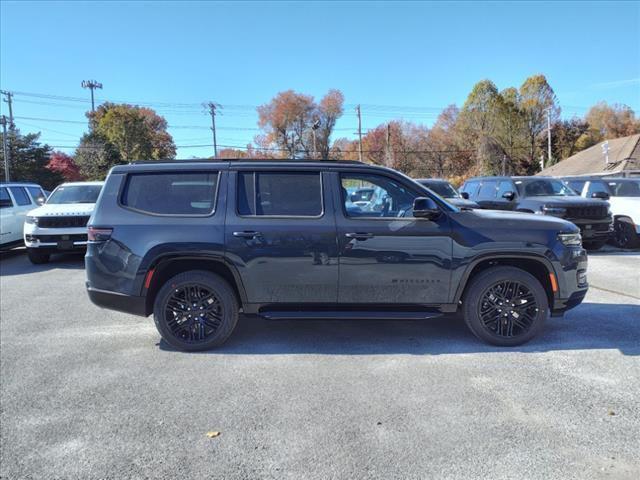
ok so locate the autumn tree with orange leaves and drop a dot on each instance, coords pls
(295, 126)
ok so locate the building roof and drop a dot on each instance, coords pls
(624, 155)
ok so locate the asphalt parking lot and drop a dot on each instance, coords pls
(90, 393)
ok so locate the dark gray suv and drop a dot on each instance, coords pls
(545, 196)
(197, 242)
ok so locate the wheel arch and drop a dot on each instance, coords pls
(168, 266)
(537, 266)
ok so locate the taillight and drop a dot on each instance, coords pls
(99, 234)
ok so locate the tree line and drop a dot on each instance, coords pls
(493, 132)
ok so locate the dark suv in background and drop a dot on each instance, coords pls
(196, 242)
(447, 191)
(545, 196)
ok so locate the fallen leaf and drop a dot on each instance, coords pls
(213, 434)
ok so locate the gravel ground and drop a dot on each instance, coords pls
(89, 393)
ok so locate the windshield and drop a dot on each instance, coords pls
(543, 187)
(444, 189)
(624, 188)
(75, 194)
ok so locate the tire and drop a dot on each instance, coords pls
(36, 257)
(197, 290)
(594, 245)
(625, 235)
(478, 305)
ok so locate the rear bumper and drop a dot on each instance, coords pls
(117, 301)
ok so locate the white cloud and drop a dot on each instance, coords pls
(617, 83)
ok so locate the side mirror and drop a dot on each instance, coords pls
(465, 195)
(600, 195)
(425, 207)
(509, 195)
(40, 200)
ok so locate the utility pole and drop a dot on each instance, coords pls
(211, 106)
(389, 162)
(549, 135)
(314, 127)
(5, 149)
(9, 101)
(91, 85)
(504, 165)
(359, 133)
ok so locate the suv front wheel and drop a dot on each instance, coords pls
(505, 306)
(37, 257)
(195, 310)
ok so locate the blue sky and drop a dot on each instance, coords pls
(423, 56)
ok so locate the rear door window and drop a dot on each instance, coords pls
(287, 194)
(5, 199)
(172, 193)
(20, 195)
(488, 190)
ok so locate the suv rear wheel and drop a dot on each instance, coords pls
(195, 310)
(505, 306)
(37, 257)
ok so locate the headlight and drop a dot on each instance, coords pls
(570, 239)
(31, 220)
(555, 211)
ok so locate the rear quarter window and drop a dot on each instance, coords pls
(171, 193)
(5, 199)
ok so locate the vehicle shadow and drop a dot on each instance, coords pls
(15, 262)
(589, 326)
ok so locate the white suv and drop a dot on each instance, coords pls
(60, 225)
(623, 195)
(16, 199)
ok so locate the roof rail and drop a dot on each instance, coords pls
(222, 160)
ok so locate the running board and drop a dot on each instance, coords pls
(346, 315)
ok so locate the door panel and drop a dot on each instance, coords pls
(9, 231)
(389, 260)
(282, 258)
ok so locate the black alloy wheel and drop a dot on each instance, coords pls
(195, 310)
(193, 313)
(505, 305)
(624, 234)
(508, 309)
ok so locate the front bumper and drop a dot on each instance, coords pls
(55, 239)
(571, 274)
(594, 230)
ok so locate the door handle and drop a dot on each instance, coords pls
(359, 235)
(247, 235)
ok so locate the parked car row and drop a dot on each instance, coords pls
(603, 209)
(58, 224)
